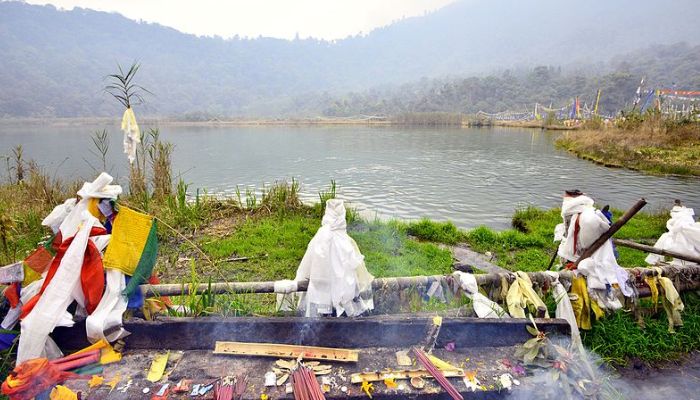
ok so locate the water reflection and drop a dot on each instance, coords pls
(469, 176)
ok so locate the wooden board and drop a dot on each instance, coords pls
(378, 376)
(286, 351)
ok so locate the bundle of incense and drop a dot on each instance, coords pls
(223, 389)
(435, 372)
(76, 360)
(239, 387)
(305, 385)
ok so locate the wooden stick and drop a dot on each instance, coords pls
(286, 351)
(652, 249)
(378, 376)
(611, 231)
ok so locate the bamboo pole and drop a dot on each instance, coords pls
(690, 274)
(651, 249)
(611, 231)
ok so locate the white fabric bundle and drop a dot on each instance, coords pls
(335, 268)
(107, 317)
(64, 288)
(53, 303)
(683, 236)
(483, 306)
(564, 309)
(601, 269)
(58, 214)
(132, 134)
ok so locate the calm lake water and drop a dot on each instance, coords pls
(469, 176)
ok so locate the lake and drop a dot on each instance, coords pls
(470, 176)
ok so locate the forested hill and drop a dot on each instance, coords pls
(671, 66)
(53, 62)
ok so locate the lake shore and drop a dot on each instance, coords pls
(466, 121)
(652, 146)
(265, 239)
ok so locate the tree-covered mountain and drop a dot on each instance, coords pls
(53, 62)
(668, 66)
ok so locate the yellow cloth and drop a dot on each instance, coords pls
(94, 209)
(29, 275)
(61, 392)
(673, 305)
(129, 235)
(652, 281)
(107, 353)
(157, 367)
(521, 295)
(582, 303)
(440, 364)
(96, 380)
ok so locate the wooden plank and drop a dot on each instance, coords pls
(378, 376)
(286, 351)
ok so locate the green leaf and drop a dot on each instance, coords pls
(533, 331)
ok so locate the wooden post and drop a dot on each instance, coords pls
(651, 249)
(611, 231)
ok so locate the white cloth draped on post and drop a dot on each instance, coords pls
(585, 226)
(132, 134)
(74, 220)
(52, 305)
(335, 269)
(106, 321)
(483, 306)
(58, 214)
(683, 237)
(564, 308)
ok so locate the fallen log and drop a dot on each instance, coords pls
(690, 274)
(652, 249)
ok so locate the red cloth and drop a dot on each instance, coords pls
(577, 229)
(33, 377)
(39, 260)
(12, 294)
(92, 277)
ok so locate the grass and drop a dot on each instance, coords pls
(617, 338)
(198, 233)
(646, 143)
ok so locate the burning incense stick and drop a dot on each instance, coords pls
(435, 372)
(305, 385)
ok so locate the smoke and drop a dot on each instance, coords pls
(566, 371)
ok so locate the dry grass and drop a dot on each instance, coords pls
(651, 145)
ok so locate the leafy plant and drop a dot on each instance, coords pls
(121, 86)
(17, 153)
(159, 154)
(100, 140)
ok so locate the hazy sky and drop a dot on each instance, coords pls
(327, 19)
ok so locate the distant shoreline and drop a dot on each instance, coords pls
(371, 121)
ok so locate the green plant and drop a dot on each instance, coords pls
(251, 199)
(121, 86)
(100, 141)
(329, 194)
(17, 153)
(438, 232)
(281, 197)
(137, 172)
(159, 154)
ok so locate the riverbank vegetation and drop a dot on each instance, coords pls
(262, 235)
(650, 142)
